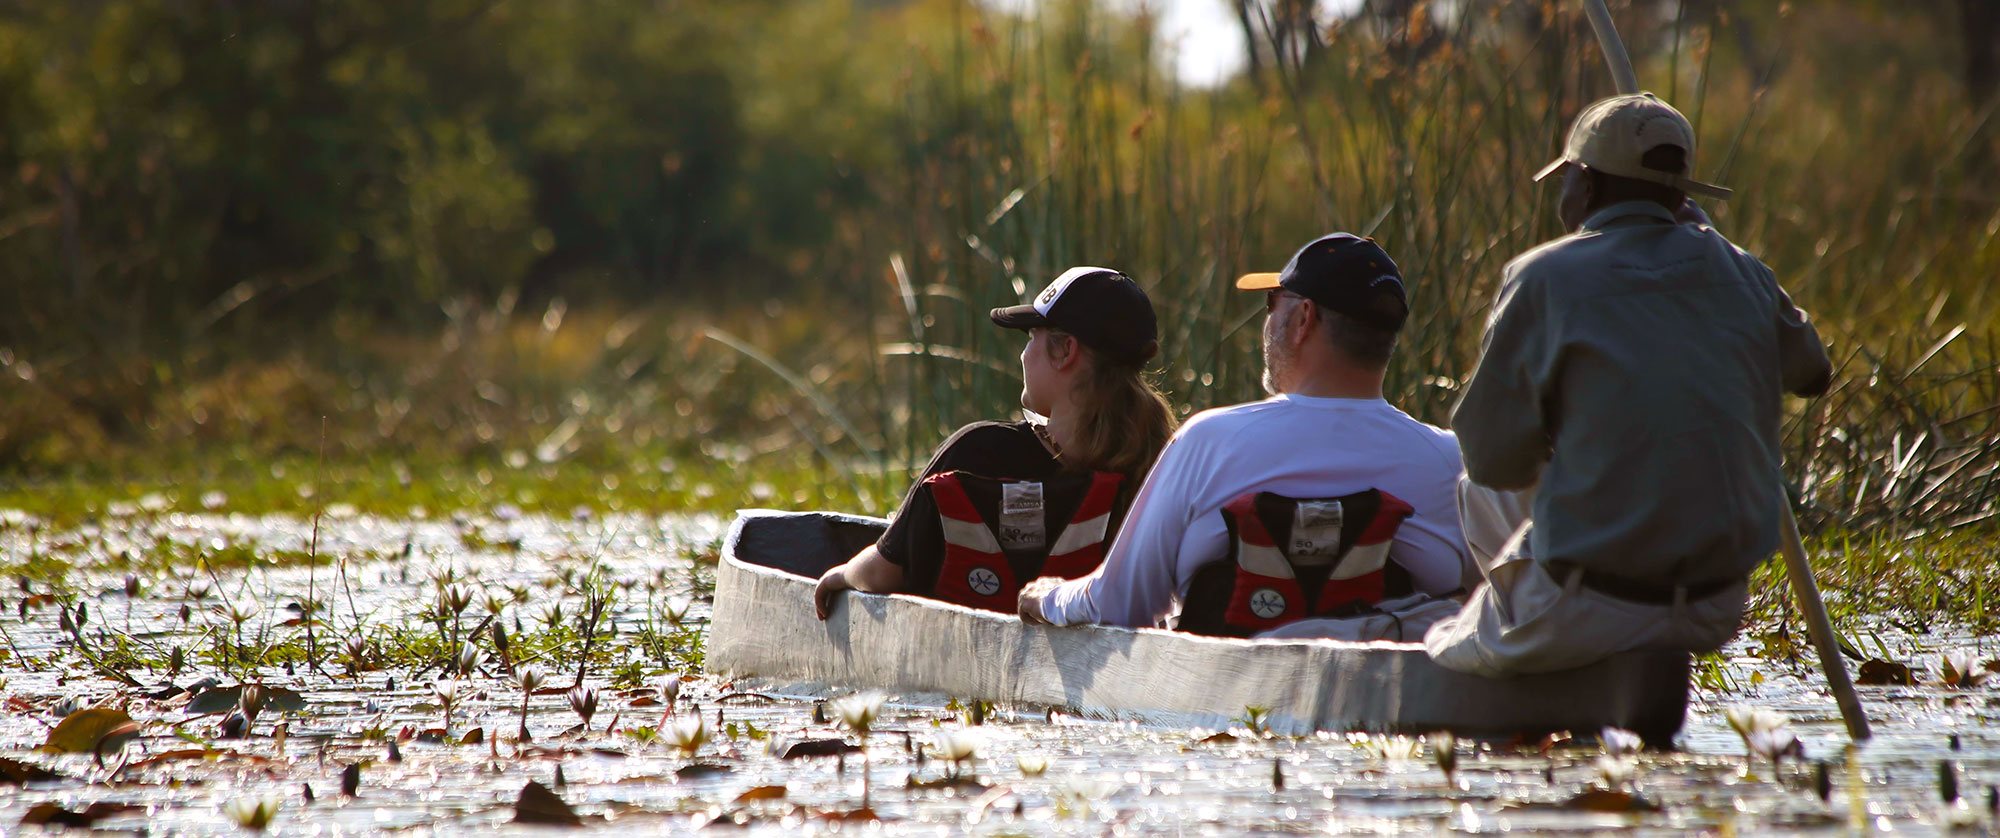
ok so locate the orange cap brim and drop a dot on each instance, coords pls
(1257, 282)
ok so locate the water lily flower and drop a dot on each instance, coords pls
(1616, 769)
(252, 813)
(1444, 749)
(858, 712)
(1075, 795)
(688, 734)
(1387, 748)
(468, 659)
(957, 747)
(675, 610)
(1748, 720)
(583, 699)
(1775, 744)
(1961, 669)
(1618, 741)
(1031, 765)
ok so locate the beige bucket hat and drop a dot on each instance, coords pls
(1613, 134)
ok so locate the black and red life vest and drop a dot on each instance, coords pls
(1292, 558)
(1001, 534)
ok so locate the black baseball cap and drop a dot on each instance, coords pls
(1101, 307)
(1345, 273)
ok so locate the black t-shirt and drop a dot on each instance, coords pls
(1000, 450)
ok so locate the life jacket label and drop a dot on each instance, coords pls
(1316, 530)
(1022, 524)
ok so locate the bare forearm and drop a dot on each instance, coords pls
(869, 571)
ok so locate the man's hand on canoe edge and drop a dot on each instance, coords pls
(1030, 603)
(831, 583)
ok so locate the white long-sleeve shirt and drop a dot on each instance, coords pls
(1295, 446)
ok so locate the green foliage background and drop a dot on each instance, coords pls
(614, 244)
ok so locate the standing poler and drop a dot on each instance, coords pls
(1628, 396)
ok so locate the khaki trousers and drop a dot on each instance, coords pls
(1521, 619)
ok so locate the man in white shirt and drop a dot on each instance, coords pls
(1332, 317)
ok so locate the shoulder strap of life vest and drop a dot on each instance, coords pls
(980, 572)
(1080, 547)
(975, 572)
(1277, 578)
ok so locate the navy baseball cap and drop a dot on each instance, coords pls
(1345, 273)
(1103, 308)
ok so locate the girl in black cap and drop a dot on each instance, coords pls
(1090, 334)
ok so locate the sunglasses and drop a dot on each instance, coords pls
(1272, 296)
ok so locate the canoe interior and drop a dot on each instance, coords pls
(763, 627)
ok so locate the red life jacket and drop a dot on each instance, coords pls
(1294, 558)
(997, 538)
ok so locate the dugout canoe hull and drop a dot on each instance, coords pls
(763, 627)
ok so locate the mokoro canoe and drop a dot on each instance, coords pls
(763, 627)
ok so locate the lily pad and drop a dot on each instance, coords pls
(81, 731)
(537, 804)
(224, 699)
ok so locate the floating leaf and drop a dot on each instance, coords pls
(538, 804)
(81, 731)
(1601, 800)
(815, 748)
(51, 814)
(17, 772)
(1875, 672)
(701, 769)
(225, 699)
(761, 793)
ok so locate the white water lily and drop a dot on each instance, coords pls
(1387, 748)
(1774, 744)
(1618, 741)
(1616, 769)
(687, 734)
(859, 711)
(675, 610)
(1077, 794)
(957, 747)
(1032, 765)
(252, 813)
(1748, 720)
(1961, 669)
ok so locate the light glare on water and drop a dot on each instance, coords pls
(249, 592)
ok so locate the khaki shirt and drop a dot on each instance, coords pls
(1634, 369)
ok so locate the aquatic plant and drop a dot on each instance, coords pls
(957, 747)
(252, 813)
(583, 700)
(858, 713)
(1960, 668)
(1031, 765)
(1444, 750)
(687, 734)
(1618, 741)
(530, 680)
(447, 692)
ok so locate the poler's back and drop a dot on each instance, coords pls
(1659, 366)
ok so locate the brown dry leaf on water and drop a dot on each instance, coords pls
(82, 731)
(538, 805)
(761, 793)
(17, 772)
(1876, 672)
(51, 814)
(798, 749)
(1598, 800)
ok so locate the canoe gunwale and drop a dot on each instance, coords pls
(763, 626)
